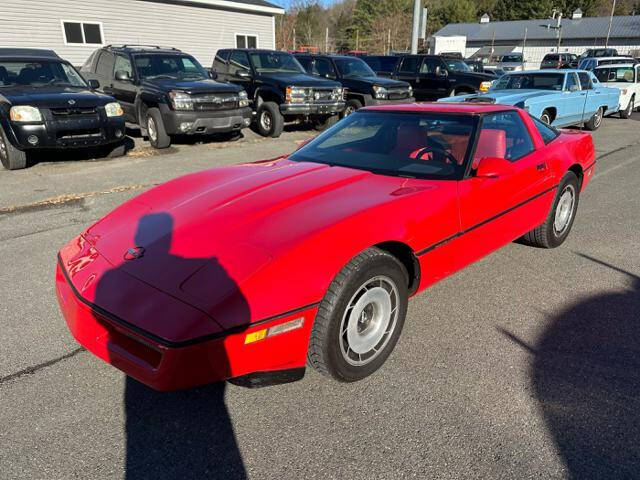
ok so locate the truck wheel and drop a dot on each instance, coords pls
(155, 129)
(351, 106)
(360, 317)
(118, 151)
(555, 230)
(10, 156)
(323, 123)
(546, 117)
(626, 113)
(595, 121)
(270, 121)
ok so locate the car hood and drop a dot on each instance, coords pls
(192, 86)
(507, 97)
(366, 83)
(473, 76)
(284, 80)
(51, 97)
(201, 230)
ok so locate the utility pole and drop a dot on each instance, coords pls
(357, 39)
(524, 46)
(417, 13)
(294, 39)
(613, 9)
(388, 49)
(326, 40)
(559, 27)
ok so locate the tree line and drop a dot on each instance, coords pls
(384, 26)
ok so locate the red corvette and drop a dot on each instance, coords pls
(250, 272)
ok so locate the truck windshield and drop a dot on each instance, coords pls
(537, 81)
(38, 74)
(179, 67)
(275, 62)
(615, 74)
(354, 67)
(456, 65)
(511, 58)
(426, 145)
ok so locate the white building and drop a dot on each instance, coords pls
(75, 28)
(575, 35)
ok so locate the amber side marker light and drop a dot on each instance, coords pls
(275, 330)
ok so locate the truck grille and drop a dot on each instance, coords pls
(323, 96)
(73, 111)
(215, 101)
(84, 134)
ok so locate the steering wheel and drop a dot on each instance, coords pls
(418, 154)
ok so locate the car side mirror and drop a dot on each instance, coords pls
(93, 84)
(243, 74)
(493, 167)
(213, 74)
(123, 76)
(441, 72)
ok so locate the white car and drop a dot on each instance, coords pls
(626, 78)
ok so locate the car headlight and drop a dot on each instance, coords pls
(296, 94)
(25, 113)
(243, 99)
(338, 94)
(380, 92)
(113, 109)
(181, 100)
(485, 86)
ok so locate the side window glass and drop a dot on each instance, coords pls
(546, 132)
(409, 64)
(324, 68)
(572, 81)
(123, 63)
(105, 65)
(307, 63)
(238, 62)
(429, 66)
(504, 135)
(585, 81)
(220, 62)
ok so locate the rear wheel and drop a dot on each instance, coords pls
(546, 117)
(595, 121)
(555, 230)
(10, 157)
(360, 318)
(626, 113)
(155, 129)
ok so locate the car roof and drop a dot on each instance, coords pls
(621, 64)
(468, 108)
(143, 48)
(29, 53)
(608, 58)
(547, 70)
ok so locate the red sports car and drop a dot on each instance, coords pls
(250, 272)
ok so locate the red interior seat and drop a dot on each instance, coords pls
(492, 143)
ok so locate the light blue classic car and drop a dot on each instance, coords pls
(559, 98)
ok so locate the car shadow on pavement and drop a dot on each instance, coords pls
(586, 378)
(182, 434)
(78, 154)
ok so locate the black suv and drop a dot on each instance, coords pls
(167, 92)
(433, 76)
(45, 103)
(280, 89)
(361, 84)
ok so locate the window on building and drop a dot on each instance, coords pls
(246, 41)
(81, 32)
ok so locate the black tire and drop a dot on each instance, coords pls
(626, 113)
(323, 123)
(546, 117)
(595, 121)
(155, 129)
(269, 121)
(11, 157)
(546, 235)
(117, 151)
(351, 106)
(326, 345)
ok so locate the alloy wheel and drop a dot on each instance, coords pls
(151, 128)
(564, 210)
(265, 120)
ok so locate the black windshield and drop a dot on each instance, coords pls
(275, 62)
(38, 74)
(354, 67)
(425, 145)
(178, 67)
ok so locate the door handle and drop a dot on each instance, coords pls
(541, 167)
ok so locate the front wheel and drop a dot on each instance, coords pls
(555, 230)
(626, 113)
(158, 136)
(351, 106)
(546, 117)
(323, 123)
(10, 157)
(595, 121)
(360, 318)
(270, 121)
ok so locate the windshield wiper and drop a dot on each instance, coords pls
(172, 77)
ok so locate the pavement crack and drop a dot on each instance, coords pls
(36, 368)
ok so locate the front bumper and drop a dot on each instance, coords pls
(312, 108)
(81, 132)
(168, 366)
(205, 121)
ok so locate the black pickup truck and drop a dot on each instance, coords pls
(434, 77)
(279, 88)
(167, 92)
(361, 84)
(45, 103)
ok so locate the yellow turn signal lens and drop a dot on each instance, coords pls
(275, 330)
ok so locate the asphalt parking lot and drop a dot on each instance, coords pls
(524, 365)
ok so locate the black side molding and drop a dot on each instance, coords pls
(267, 379)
